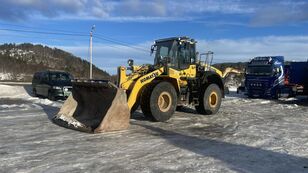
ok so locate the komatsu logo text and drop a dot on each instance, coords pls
(149, 77)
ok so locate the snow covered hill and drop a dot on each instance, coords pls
(20, 61)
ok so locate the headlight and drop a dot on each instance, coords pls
(56, 87)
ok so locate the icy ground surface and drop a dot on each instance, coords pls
(247, 135)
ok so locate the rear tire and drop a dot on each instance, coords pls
(209, 100)
(159, 101)
(51, 96)
(179, 108)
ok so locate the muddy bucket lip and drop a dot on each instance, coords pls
(90, 80)
(93, 83)
(63, 123)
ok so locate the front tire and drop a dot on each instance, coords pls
(209, 100)
(34, 92)
(159, 101)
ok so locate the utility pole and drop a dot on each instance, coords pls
(91, 34)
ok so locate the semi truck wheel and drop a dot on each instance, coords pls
(250, 95)
(209, 100)
(275, 95)
(159, 101)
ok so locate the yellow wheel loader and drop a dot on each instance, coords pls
(177, 77)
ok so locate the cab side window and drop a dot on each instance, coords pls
(192, 54)
(35, 77)
(45, 77)
(277, 71)
(186, 55)
(172, 55)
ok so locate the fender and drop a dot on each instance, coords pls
(140, 83)
(210, 77)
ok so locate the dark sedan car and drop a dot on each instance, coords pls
(52, 84)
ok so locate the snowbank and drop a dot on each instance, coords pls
(23, 93)
(6, 76)
(7, 91)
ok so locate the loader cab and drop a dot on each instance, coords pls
(177, 52)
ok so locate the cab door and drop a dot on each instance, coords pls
(38, 85)
(186, 56)
(45, 86)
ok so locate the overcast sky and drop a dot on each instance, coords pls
(235, 30)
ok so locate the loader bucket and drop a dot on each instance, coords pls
(94, 106)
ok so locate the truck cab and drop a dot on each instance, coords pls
(265, 76)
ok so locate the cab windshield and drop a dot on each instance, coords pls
(181, 55)
(260, 70)
(165, 49)
(60, 77)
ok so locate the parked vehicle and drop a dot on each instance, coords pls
(272, 77)
(52, 84)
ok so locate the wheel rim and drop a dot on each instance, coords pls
(213, 99)
(164, 101)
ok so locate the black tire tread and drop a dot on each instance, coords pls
(149, 107)
(145, 100)
(202, 108)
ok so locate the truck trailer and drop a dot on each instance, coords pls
(272, 77)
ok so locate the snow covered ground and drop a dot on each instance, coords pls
(247, 135)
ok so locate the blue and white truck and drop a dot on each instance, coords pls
(271, 76)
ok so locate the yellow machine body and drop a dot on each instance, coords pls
(176, 78)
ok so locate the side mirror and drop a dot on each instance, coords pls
(130, 62)
(152, 49)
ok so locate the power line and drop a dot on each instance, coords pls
(44, 32)
(74, 34)
(99, 36)
(41, 38)
(108, 45)
(57, 38)
(121, 43)
(41, 28)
